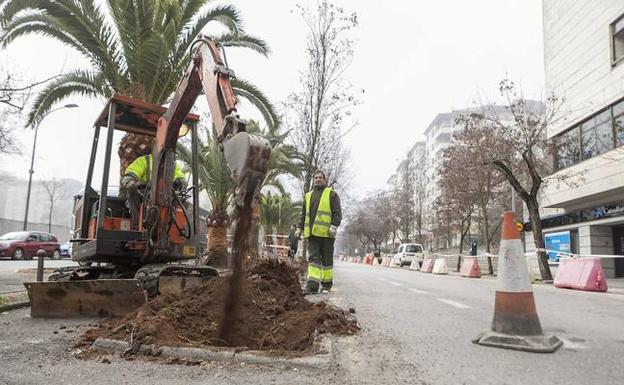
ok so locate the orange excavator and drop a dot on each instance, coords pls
(120, 265)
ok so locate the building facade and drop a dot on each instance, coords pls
(583, 201)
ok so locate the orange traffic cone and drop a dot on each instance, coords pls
(515, 325)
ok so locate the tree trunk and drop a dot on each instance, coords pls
(486, 237)
(538, 238)
(216, 251)
(50, 217)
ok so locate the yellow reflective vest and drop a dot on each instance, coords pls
(141, 168)
(322, 221)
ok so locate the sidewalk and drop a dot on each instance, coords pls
(13, 294)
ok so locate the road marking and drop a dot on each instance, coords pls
(567, 344)
(458, 305)
(396, 284)
(381, 278)
(419, 291)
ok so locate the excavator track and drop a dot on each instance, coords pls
(172, 278)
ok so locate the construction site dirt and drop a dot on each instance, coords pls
(273, 316)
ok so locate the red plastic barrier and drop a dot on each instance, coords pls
(427, 265)
(581, 274)
(470, 268)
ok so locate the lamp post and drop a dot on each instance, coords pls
(32, 160)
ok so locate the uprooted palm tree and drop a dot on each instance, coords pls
(136, 47)
(214, 177)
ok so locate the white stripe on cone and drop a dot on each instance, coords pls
(513, 273)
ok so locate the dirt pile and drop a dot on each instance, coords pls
(274, 315)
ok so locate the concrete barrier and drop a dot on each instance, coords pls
(470, 268)
(427, 265)
(414, 265)
(439, 267)
(581, 274)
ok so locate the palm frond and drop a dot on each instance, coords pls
(244, 41)
(257, 98)
(79, 82)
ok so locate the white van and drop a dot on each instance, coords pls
(407, 252)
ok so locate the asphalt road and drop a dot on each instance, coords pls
(416, 329)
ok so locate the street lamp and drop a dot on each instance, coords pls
(32, 159)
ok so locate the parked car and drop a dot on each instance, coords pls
(407, 252)
(25, 244)
(66, 249)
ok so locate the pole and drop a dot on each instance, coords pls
(30, 172)
(513, 199)
(32, 161)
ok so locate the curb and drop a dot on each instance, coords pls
(251, 357)
(14, 305)
(15, 300)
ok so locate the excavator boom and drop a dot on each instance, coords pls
(246, 155)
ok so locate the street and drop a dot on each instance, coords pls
(416, 328)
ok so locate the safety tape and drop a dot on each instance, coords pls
(572, 255)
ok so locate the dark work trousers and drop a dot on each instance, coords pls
(320, 263)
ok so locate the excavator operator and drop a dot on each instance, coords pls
(138, 174)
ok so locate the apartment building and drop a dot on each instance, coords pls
(583, 201)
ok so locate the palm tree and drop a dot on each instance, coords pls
(136, 47)
(278, 212)
(214, 177)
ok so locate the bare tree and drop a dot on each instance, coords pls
(14, 95)
(518, 149)
(54, 188)
(371, 220)
(402, 196)
(469, 185)
(418, 168)
(320, 113)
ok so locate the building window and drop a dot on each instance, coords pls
(617, 40)
(600, 133)
(618, 123)
(568, 148)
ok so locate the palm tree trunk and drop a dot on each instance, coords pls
(216, 251)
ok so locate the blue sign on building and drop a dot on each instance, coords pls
(559, 241)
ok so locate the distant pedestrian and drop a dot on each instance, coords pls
(320, 218)
(473, 248)
(293, 242)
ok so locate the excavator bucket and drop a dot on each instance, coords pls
(247, 156)
(88, 298)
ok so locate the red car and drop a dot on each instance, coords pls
(25, 244)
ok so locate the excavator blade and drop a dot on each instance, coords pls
(88, 298)
(247, 156)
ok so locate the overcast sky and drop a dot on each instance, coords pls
(414, 59)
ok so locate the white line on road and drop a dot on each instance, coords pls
(381, 278)
(419, 291)
(567, 344)
(458, 305)
(396, 284)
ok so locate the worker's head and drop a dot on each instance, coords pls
(320, 180)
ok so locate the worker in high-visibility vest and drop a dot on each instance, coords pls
(320, 218)
(138, 173)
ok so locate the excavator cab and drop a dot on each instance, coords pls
(104, 227)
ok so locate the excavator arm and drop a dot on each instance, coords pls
(246, 155)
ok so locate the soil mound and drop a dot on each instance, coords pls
(274, 315)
